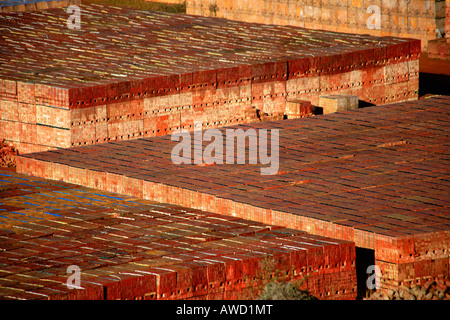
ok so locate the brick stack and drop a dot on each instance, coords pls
(418, 19)
(64, 87)
(7, 155)
(339, 102)
(33, 5)
(447, 20)
(376, 176)
(169, 1)
(298, 109)
(34, 117)
(129, 248)
(440, 48)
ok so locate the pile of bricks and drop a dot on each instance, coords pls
(299, 109)
(33, 5)
(420, 19)
(128, 74)
(335, 103)
(440, 48)
(7, 155)
(447, 21)
(169, 1)
(377, 176)
(129, 248)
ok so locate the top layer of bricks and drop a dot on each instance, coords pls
(123, 51)
(128, 248)
(419, 19)
(377, 176)
(380, 170)
(6, 3)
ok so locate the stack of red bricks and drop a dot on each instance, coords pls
(440, 48)
(7, 155)
(129, 248)
(126, 74)
(33, 5)
(447, 20)
(377, 176)
(418, 19)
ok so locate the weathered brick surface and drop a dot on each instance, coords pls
(376, 176)
(419, 19)
(439, 49)
(334, 103)
(447, 20)
(298, 109)
(129, 248)
(33, 5)
(143, 74)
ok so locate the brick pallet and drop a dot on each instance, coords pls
(376, 176)
(426, 20)
(129, 248)
(440, 48)
(33, 5)
(128, 74)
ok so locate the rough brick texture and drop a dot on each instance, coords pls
(33, 5)
(127, 74)
(377, 176)
(129, 248)
(439, 49)
(447, 20)
(420, 19)
(340, 102)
